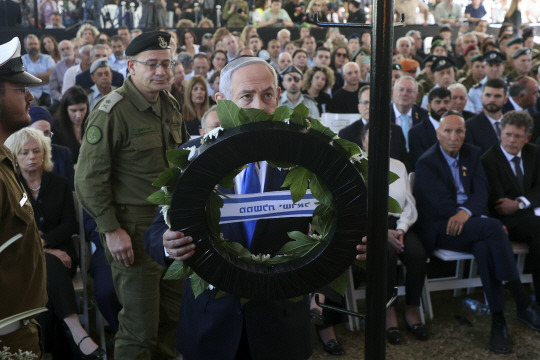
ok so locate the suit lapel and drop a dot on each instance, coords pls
(507, 169)
(528, 168)
(488, 129)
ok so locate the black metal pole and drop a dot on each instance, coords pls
(379, 150)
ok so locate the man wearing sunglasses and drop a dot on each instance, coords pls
(22, 270)
(123, 151)
(292, 96)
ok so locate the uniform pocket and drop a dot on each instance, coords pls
(146, 141)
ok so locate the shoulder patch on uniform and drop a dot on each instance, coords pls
(110, 100)
(477, 85)
(93, 134)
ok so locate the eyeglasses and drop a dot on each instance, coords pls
(24, 90)
(48, 133)
(341, 54)
(154, 65)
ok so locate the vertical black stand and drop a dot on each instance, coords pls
(382, 32)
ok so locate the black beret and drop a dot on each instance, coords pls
(517, 40)
(291, 69)
(396, 66)
(442, 62)
(493, 57)
(152, 40)
(430, 58)
(520, 52)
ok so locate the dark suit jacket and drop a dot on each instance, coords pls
(503, 182)
(421, 137)
(84, 80)
(481, 132)
(436, 195)
(63, 162)
(418, 115)
(54, 212)
(398, 149)
(535, 138)
(509, 107)
(211, 328)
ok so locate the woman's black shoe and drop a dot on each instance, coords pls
(99, 353)
(333, 347)
(393, 335)
(418, 330)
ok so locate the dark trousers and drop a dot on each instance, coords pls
(414, 258)
(485, 238)
(525, 227)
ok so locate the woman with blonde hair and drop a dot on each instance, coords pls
(317, 81)
(52, 202)
(88, 34)
(513, 16)
(247, 32)
(196, 102)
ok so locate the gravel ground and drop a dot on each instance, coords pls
(449, 340)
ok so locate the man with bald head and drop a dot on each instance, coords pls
(523, 94)
(451, 191)
(284, 61)
(345, 99)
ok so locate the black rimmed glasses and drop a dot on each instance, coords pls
(25, 90)
(154, 65)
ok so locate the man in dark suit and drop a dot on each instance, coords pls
(10, 13)
(523, 95)
(451, 191)
(353, 132)
(405, 112)
(211, 328)
(513, 170)
(422, 136)
(484, 128)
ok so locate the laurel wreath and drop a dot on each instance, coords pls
(298, 180)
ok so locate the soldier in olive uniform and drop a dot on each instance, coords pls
(494, 70)
(469, 81)
(521, 64)
(22, 261)
(122, 153)
(425, 78)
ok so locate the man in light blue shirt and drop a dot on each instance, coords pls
(39, 65)
(118, 60)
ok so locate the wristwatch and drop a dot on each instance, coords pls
(521, 205)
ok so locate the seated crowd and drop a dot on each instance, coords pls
(458, 112)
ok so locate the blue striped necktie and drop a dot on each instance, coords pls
(250, 185)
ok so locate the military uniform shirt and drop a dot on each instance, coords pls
(22, 271)
(124, 151)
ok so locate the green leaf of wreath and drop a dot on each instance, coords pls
(392, 177)
(302, 245)
(297, 180)
(168, 177)
(256, 115)
(177, 270)
(318, 126)
(228, 114)
(393, 206)
(282, 113)
(340, 283)
(213, 213)
(299, 114)
(198, 285)
(320, 191)
(178, 157)
(348, 147)
(160, 198)
(237, 250)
